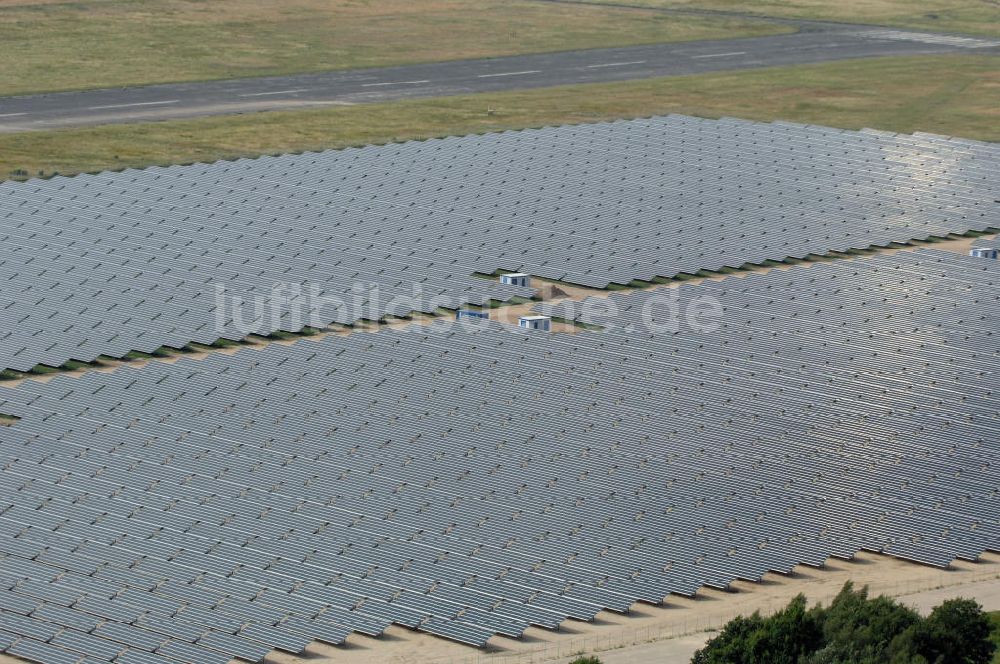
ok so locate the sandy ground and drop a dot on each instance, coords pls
(683, 648)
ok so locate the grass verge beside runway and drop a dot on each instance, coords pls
(953, 95)
(974, 17)
(54, 45)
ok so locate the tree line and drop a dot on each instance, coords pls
(856, 629)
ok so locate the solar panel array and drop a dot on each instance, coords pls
(987, 242)
(970, 284)
(472, 482)
(108, 263)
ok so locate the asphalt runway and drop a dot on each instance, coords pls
(814, 43)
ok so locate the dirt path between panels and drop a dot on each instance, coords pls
(549, 292)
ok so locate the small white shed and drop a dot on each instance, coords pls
(516, 279)
(543, 323)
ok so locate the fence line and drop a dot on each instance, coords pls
(629, 636)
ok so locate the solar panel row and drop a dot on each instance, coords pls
(477, 482)
(104, 264)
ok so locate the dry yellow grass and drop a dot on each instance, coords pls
(956, 95)
(970, 16)
(99, 43)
